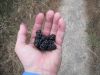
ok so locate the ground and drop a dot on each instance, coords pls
(12, 13)
(81, 45)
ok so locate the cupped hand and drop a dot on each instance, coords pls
(33, 60)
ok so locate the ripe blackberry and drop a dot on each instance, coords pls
(52, 37)
(44, 45)
(38, 34)
(51, 47)
(50, 42)
(43, 38)
(37, 43)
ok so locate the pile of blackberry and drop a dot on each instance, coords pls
(44, 43)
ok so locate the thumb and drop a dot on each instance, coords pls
(21, 37)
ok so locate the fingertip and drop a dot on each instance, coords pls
(49, 14)
(40, 14)
(57, 15)
(39, 18)
(61, 21)
(62, 24)
(23, 28)
(21, 25)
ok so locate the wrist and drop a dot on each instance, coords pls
(30, 73)
(40, 71)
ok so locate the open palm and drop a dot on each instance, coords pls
(34, 60)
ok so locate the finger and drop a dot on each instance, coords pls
(55, 23)
(38, 24)
(60, 32)
(49, 21)
(21, 37)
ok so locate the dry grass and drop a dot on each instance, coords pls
(93, 29)
(12, 13)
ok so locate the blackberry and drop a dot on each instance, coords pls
(52, 37)
(38, 34)
(43, 38)
(44, 43)
(51, 47)
(37, 43)
(50, 42)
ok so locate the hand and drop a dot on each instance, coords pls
(33, 60)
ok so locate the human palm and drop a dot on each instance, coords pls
(34, 60)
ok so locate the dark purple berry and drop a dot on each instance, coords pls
(44, 45)
(43, 38)
(52, 37)
(52, 47)
(50, 42)
(37, 43)
(38, 34)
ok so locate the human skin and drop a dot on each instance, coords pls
(33, 60)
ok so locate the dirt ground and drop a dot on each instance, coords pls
(12, 13)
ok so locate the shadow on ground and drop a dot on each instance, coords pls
(93, 29)
(12, 13)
